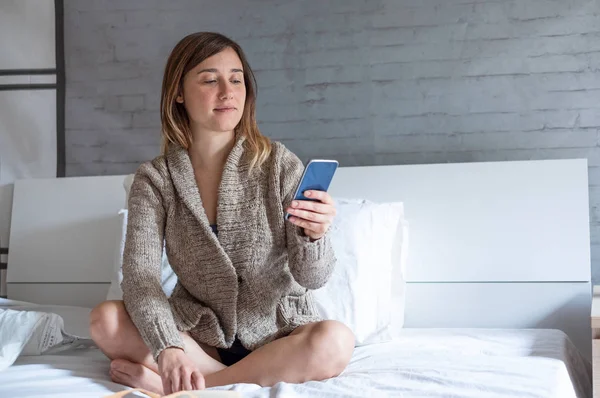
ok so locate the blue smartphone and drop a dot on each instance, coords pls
(317, 176)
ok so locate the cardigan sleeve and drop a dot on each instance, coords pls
(143, 296)
(311, 262)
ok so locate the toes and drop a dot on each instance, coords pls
(118, 377)
(125, 372)
(127, 367)
(134, 375)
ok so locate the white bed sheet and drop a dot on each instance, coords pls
(418, 363)
(421, 363)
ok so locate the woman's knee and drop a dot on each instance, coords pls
(332, 345)
(106, 320)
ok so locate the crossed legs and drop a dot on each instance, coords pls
(316, 351)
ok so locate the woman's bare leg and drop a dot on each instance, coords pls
(316, 351)
(113, 331)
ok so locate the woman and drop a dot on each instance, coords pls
(242, 310)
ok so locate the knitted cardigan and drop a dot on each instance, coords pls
(252, 281)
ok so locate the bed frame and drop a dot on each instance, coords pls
(492, 244)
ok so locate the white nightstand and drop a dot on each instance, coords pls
(595, 317)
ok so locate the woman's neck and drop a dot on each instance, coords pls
(209, 152)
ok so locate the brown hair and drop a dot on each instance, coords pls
(187, 54)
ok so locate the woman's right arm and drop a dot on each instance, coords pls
(144, 299)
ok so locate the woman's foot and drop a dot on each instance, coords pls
(135, 375)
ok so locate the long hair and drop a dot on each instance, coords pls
(187, 54)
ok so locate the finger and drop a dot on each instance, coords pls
(323, 196)
(310, 216)
(316, 207)
(186, 381)
(317, 228)
(166, 382)
(175, 382)
(198, 381)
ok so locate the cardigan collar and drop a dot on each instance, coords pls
(184, 180)
(236, 203)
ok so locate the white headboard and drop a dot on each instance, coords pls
(524, 221)
(494, 244)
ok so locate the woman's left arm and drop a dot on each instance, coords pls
(311, 257)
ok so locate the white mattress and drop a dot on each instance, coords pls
(418, 363)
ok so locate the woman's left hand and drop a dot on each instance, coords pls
(314, 217)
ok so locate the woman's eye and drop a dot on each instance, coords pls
(237, 81)
(210, 81)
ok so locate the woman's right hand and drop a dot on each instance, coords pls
(178, 372)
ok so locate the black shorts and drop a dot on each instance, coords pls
(233, 354)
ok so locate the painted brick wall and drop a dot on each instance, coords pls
(367, 82)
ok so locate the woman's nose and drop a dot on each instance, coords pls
(226, 92)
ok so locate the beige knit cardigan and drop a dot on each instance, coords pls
(252, 281)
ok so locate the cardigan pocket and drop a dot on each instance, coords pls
(295, 309)
(185, 308)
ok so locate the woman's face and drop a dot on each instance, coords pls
(214, 93)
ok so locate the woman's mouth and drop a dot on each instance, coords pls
(225, 109)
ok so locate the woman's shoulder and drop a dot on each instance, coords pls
(157, 165)
(285, 167)
(282, 158)
(279, 148)
(153, 171)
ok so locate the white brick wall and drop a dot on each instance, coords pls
(367, 82)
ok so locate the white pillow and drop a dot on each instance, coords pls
(370, 242)
(371, 245)
(168, 277)
(114, 291)
(127, 186)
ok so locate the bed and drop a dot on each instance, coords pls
(493, 300)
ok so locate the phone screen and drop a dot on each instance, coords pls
(317, 177)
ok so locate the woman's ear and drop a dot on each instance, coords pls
(179, 99)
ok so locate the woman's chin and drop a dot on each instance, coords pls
(225, 127)
(221, 126)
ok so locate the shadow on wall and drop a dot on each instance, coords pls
(6, 198)
(569, 316)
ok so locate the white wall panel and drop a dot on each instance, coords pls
(27, 34)
(27, 134)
